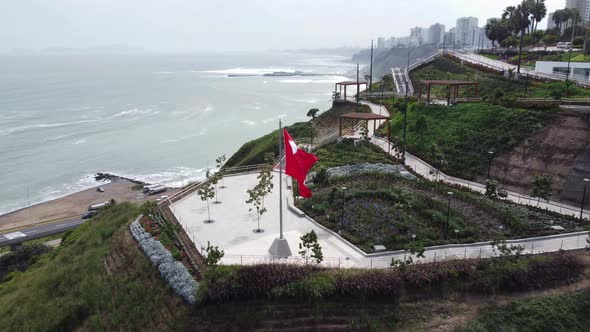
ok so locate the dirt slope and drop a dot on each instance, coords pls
(561, 149)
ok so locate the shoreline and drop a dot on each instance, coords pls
(121, 189)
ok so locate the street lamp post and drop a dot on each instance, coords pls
(491, 156)
(450, 194)
(567, 75)
(583, 198)
(406, 108)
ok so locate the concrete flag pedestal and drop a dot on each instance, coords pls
(280, 248)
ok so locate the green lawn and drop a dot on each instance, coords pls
(462, 135)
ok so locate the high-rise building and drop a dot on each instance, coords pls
(417, 36)
(583, 7)
(381, 43)
(435, 34)
(450, 39)
(550, 23)
(464, 32)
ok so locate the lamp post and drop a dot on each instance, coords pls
(583, 198)
(491, 156)
(406, 108)
(567, 75)
(450, 194)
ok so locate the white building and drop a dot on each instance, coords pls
(464, 32)
(435, 34)
(381, 43)
(417, 36)
(578, 70)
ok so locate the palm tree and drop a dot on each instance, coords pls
(497, 30)
(519, 22)
(559, 17)
(491, 29)
(575, 17)
(538, 13)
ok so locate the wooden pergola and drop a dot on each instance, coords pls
(345, 84)
(357, 117)
(452, 88)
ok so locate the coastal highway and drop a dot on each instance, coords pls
(37, 232)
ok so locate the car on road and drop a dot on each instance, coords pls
(89, 214)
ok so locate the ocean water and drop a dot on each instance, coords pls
(156, 118)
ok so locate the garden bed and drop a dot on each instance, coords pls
(389, 210)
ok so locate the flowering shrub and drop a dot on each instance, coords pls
(173, 272)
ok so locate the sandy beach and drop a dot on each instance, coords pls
(121, 190)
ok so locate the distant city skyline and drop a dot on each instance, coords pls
(189, 26)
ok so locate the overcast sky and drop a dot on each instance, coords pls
(197, 25)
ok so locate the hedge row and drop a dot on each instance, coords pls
(223, 284)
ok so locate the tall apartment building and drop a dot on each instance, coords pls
(550, 23)
(381, 42)
(464, 32)
(417, 36)
(435, 34)
(583, 7)
(450, 38)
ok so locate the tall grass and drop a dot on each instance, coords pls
(71, 287)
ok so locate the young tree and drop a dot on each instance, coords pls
(261, 189)
(542, 184)
(309, 248)
(492, 188)
(220, 162)
(214, 255)
(213, 179)
(312, 113)
(207, 192)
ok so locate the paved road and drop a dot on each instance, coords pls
(37, 232)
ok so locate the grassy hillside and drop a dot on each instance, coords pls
(490, 84)
(97, 279)
(569, 312)
(457, 139)
(252, 153)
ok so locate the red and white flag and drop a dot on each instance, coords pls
(298, 163)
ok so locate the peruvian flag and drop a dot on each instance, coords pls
(298, 163)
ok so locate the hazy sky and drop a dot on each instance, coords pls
(197, 25)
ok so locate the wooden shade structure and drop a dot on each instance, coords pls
(345, 84)
(452, 88)
(356, 117)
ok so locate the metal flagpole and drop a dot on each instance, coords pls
(281, 148)
(280, 246)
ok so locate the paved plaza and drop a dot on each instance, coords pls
(233, 228)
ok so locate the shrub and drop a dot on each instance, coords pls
(21, 258)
